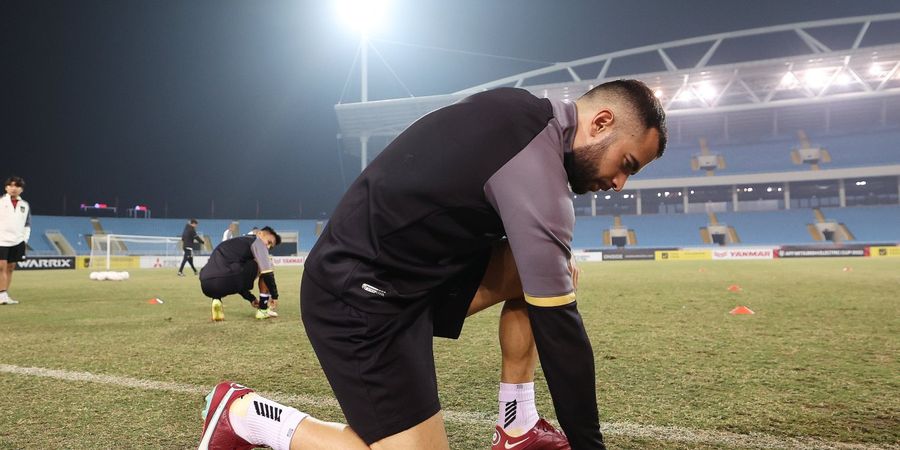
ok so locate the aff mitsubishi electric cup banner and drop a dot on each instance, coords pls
(819, 251)
(744, 253)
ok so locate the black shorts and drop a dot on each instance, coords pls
(13, 254)
(380, 367)
(220, 287)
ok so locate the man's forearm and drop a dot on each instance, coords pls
(567, 360)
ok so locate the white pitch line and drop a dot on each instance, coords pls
(659, 433)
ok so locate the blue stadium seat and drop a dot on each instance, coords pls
(662, 230)
(76, 228)
(862, 149)
(774, 154)
(589, 231)
(770, 227)
(73, 228)
(872, 224)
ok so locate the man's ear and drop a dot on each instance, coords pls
(601, 120)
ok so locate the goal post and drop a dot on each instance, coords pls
(112, 251)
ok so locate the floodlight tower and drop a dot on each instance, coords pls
(363, 16)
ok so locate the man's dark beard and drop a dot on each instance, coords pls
(584, 164)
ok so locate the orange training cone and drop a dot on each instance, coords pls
(741, 310)
(155, 301)
(734, 288)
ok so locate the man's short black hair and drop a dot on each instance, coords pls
(277, 236)
(193, 221)
(647, 107)
(18, 181)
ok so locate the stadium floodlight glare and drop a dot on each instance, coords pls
(685, 95)
(876, 70)
(843, 79)
(789, 81)
(658, 93)
(707, 91)
(815, 78)
(363, 16)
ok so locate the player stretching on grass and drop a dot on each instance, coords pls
(232, 268)
(417, 243)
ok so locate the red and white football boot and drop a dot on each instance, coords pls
(541, 437)
(217, 431)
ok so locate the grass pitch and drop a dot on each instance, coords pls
(816, 366)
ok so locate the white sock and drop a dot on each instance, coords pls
(517, 411)
(261, 421)
(3, 295)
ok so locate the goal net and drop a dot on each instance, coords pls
(121, 251)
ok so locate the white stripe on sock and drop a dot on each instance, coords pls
(518, 413)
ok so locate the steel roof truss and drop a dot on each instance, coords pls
(814, 44)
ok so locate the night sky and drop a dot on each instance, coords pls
(182, 104)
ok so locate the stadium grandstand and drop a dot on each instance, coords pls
(796, 142)
(70, 236)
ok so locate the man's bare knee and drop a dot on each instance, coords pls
(314, 434)
(428, 435)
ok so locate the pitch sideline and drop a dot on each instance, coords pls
(660, 433)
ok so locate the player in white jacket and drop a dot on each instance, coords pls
(15, 229)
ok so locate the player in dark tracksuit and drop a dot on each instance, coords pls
(188, 238)
(406, 251)
(233, 267)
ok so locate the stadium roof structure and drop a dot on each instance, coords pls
(764, 81)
